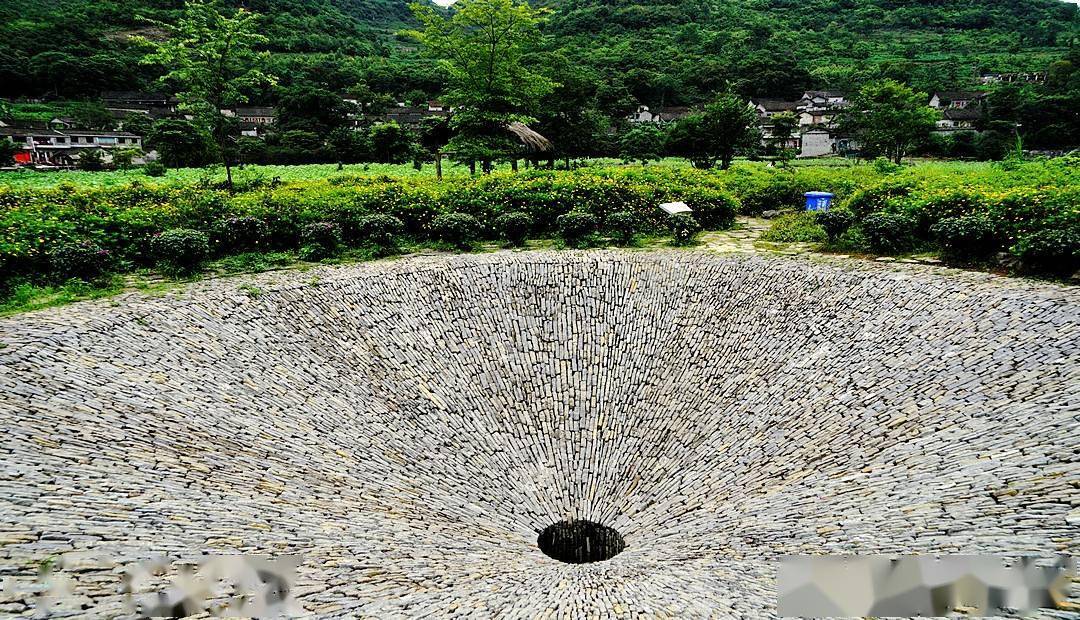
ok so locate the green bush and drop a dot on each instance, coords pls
(882, 165)
(181, 251)
(779, 191)
(794, 228)
(320, 240)
(622, 226)
(381, 231)
(1055, 252)
(835, 222)
(878, 197)
(968, 237)
(459, 230)
(241, 234)
(514, 227)
(84, 260)
(684, 229)
(577, 228)
(888, 233)
(154, 169)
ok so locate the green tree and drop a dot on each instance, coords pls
(210, 59)
(179, 143)
(123, 158)
(310, 108)
(784, 126)
(643, 142)
(138, 124)
(7, 151)
(890, 119)
(485, 48)
(349, 145)
(390, 142)
(91, 160)
(91, 115)
(715, 134)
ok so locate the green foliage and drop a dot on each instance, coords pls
(320, 240)
(796, 227)
(391, 143)
(154, 169)
(577, 228)
(726, 126)
(84, 260)
(514, 227)
(180, 143)
(381, 231)
(643, 142)
(889, 118)
(835, 222)
(684, 229)
(486, 48)
(91, 160)
(622, 226)
(967, 237)
(122, 211)
(888, 233)
(459, 230)
(7, 152)
(210, 58)
(181, 251)
(1055, 252)
(241, 234)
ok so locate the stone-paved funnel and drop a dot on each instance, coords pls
(411, 427)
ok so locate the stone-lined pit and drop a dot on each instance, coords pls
(580, 541)
(411, 426)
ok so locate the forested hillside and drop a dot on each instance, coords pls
(657, 52)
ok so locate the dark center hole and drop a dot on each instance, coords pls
(580, 541)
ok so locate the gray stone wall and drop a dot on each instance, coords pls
(410, 427)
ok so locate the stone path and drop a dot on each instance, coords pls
(410, 427)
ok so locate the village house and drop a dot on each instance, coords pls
(254, 115)
(816, 111)
(667, 114)
(1035, 77)
(406, 115)
(820, 107)
(948, 100)
(52, 147)
(958, 119)
(767, 108)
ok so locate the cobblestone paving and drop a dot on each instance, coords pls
(411, 426)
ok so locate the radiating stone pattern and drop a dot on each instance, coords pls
(411, 426)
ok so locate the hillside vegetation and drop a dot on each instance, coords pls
(661, 52)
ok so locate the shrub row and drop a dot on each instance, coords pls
(128, 225)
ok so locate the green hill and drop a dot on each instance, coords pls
(658, 52)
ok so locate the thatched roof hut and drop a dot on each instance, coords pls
(529, 138)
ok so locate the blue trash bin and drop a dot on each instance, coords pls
(818, 201)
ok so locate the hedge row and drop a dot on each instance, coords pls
(39, 226)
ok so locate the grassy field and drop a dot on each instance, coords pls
(185, 176)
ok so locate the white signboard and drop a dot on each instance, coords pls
(675, 207)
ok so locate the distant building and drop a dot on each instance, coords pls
(820, 107)
(770, 107)
(1034, 77)
(816, 110)
(408, 115)
(817, 142)
(52, 147)
(256, 115)
(137, 99)
(958, 99)
(959, 119)
(667, 114)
